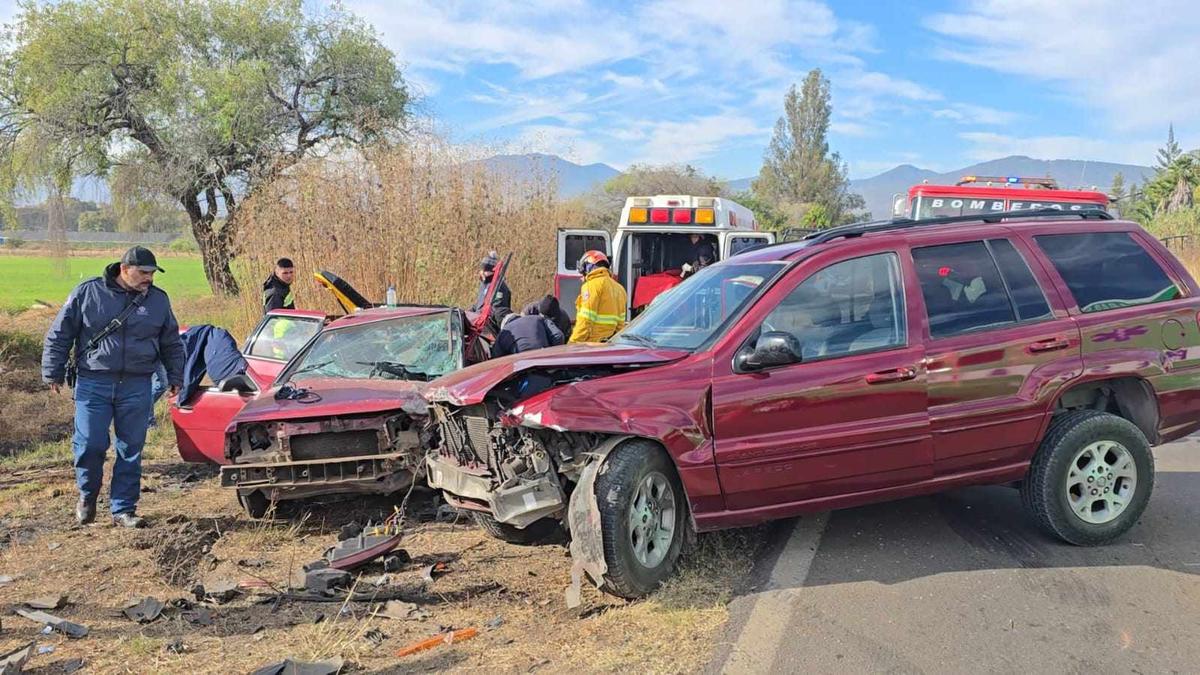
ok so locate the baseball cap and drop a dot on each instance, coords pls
(141, 258)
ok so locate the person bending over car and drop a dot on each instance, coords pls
(528, 331)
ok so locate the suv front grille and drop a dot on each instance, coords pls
(466, 437)
(327, 445)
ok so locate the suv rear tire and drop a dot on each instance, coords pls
(1091, 478)
(643, 513)
(537, 531)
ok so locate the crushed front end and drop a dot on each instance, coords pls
(291, 458)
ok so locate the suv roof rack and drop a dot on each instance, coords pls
(859, 229)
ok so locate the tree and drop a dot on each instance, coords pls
(97, 221)
(1117, 191)
(765, 212)
(602, 207)
(1169, 152)
(798, 167)
(204, 101)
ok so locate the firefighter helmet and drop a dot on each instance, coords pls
(591, 258)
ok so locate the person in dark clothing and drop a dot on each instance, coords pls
(550, 308)
(527, 331)
(120, 327)
(502, 301)
(277, 289)
(702, 254)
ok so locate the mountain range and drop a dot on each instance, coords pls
(574, 179)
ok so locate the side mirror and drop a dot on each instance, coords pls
(241, 383)
(773, 348)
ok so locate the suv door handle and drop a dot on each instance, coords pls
(1050, 345)
(894, 375)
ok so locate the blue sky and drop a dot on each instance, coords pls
(935, 84)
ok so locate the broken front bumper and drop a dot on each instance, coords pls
(518, 502)
(370, 473)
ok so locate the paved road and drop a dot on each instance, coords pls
(963, 582)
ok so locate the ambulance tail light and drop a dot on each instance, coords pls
(682, 216)
(660, 215)
(638, 215)
(705, 217)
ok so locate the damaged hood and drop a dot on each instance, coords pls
(470, 385)
(339, 396)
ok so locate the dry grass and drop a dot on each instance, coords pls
(419, 217)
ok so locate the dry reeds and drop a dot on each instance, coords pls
(419, 217)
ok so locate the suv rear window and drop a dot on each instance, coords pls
(962, 288)
(1107, 270)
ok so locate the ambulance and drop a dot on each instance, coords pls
(975, 195)
(652, 244)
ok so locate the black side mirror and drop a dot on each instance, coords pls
(241, 383)
(772, 349)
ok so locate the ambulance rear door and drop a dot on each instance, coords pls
(572, 244)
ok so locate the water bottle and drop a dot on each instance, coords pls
(391, 296)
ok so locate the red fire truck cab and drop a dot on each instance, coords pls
(978, 195)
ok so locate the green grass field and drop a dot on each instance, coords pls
(27, 278)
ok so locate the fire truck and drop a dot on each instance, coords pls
(982, 194)
(652, 244)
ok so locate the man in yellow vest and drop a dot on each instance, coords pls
(600, 307)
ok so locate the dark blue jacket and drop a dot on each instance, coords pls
(525, 332)
(149, 335)
(209, 350)
(501, 301)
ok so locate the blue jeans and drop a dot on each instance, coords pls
(158, 387)
(124, 403)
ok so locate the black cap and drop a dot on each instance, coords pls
(141, 258)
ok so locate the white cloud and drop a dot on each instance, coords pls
(1130, 61)
(634, 84)
(673, 142)
(986, 145)
(566, 142)
(966, 113)
(855, 129)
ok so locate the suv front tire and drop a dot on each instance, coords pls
(1091, 478)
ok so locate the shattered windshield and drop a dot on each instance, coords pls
(687, 315)
(408, 348)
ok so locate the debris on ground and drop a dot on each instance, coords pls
(12, 662)
(361, 549)
(325, 580)
(374, 636)
(437, 569)
(405, 611)
(442, 639)
(145, 610)
(446, 514)
(494, 623)
(69, 666)
(45, 649)
(253, 562)
(218, 591)
(48, 602)
(175, 646)
(54, 545)
(71, 630)
(293, 667)
(5, 580)
(396, 561)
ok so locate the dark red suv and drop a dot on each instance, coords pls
(865, 363)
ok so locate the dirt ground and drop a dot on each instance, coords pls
(513, 595)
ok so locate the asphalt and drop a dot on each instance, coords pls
(964, 582)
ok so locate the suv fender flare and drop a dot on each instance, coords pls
(1133, 394)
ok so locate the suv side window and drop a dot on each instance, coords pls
(849, 307)
(962, 288)
(1023, 288)
(1107, 270)
(282, 336)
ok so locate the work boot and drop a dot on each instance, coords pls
(128, 520)
(85, 511)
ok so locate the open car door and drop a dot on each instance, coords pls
(737, 243)
(201, 420)
(480, 322)
(572, 244)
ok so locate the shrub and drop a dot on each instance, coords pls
(13, 242)
(184, 243)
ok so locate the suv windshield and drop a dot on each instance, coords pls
(408, 348)
(687, 315)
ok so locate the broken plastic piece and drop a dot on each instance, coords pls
(437, 640)
(587, 539)
(13, 661)
(145, 611)
(71, 630)
(48, 602)
(220, 591)
(374, 636)
(494, 623)
(404, 611)
(293, 667)
(326, 580)
(437, 569)
(359, 550)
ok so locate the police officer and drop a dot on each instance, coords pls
(502, 300)
(119, 326)
(532, 329)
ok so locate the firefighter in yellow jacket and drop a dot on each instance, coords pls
(600, 307)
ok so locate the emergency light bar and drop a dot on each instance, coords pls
(640, 216)
(1044, 183)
